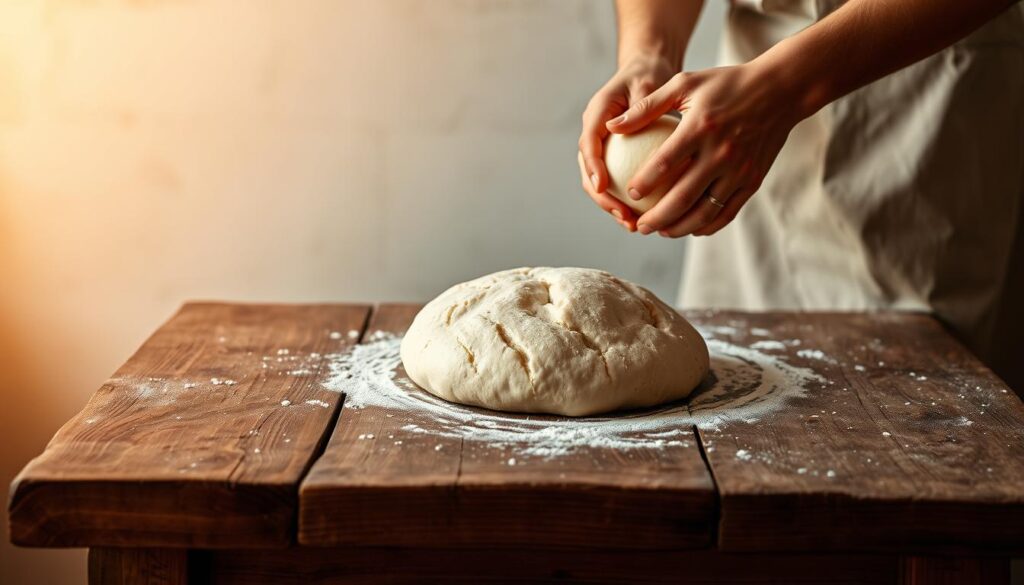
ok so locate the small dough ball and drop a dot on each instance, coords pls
(625, 154)
(569, 341)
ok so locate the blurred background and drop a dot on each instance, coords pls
(153, 151)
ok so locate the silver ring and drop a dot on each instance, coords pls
(714, 201)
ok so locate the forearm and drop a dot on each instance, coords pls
(659, 28)
(865, 40)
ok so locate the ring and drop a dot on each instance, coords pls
(714, 201)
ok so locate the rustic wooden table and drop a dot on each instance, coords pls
(211, 456)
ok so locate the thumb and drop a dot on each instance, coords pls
(648, 109)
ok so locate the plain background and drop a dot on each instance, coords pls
(153, 151)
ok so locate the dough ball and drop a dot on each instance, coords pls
(570, 341)
(625, 154)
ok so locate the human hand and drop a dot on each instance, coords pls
(633, 82)
(735, 121)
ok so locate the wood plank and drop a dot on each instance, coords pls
(391, 477)
(138, 566)
(199, 440)
(955, 571)
(912, 444)
(359, 565)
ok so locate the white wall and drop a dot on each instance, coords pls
(155, 151)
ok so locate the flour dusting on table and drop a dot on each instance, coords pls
(745, 384)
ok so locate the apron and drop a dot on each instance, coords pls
(904, 195)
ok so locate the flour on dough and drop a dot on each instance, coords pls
(570, 341)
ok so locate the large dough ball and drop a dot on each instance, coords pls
(625, 154)
(571, 341)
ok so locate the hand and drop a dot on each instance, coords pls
(735, 120)
(636, 80)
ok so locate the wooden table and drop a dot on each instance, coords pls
(215, 454)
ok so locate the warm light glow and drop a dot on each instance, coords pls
(153, 151)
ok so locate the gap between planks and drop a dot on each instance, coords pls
(325, 438)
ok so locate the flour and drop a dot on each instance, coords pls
(745, 384)
(768, 345)
(814, 354)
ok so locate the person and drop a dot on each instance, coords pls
(847, 155)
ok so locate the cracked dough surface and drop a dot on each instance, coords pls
(570, 341)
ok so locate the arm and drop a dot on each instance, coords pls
(887, 35)
(656, 27)
(738, 118)
(653, 35)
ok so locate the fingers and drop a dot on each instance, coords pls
(732, 207)
(591, 142)
(747, 181)
(644, 111)
(707, 208)
(694, 138)
(679, 199)
(701, 214)
(669, 159)
(622, 214)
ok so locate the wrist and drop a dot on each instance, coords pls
(659, 50)
(797, 74)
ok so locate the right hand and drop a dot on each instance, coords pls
(632, 82)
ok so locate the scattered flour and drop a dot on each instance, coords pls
(746, 384)
(768, 345)
(814, 354)
(319, 403)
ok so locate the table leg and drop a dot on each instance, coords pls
(132, 566)
(923, 570)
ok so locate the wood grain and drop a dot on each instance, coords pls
(356, 565)
(199, 440)
(407, 488)
(138, 566)
(909, 444)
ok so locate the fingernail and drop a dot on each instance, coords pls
(593, 180)
(644, 229)
(618, 120)
(617, 214)
(634, 194)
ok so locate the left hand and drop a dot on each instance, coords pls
(735, 121)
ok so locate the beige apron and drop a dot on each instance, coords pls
(903, 195)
